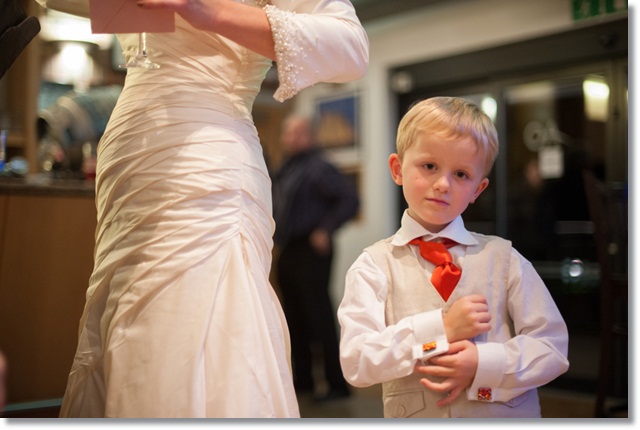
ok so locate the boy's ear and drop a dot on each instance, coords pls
(395, 166)
(481, 187)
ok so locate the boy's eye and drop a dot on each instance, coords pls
(429, 166)
(461, 175)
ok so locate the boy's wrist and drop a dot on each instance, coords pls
(489, 373)
(430, 338)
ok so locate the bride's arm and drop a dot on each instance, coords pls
(245, 25)
(311, 41)
(73, 7)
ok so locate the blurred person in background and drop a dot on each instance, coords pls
(312, 199)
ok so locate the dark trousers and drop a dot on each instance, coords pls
(303, 277)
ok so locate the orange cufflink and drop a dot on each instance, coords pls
(484, 394)
(428, 346)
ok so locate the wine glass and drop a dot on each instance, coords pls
(141, 59)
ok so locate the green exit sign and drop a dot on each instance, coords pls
(590, 8)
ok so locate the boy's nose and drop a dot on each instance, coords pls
(442, 183)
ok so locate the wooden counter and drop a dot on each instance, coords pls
(46, 257)
(44, 185)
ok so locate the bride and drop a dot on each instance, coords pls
(180, 319)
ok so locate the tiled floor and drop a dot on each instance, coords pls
(363, 403)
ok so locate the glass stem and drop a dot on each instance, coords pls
(142, 43)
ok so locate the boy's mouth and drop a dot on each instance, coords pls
(438, 201)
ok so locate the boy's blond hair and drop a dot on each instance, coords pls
(449, 118)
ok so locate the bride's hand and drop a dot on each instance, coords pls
(202, 14)
(242, 23)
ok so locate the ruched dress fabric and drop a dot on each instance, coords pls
(180, 318)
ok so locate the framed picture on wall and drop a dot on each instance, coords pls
(337, 117)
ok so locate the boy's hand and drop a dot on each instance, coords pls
(458, 366)
(466, 318)
(320, 241)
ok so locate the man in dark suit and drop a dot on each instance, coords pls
(311, 199)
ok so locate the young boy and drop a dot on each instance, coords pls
(483, 350)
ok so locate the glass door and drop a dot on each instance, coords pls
(555, 128)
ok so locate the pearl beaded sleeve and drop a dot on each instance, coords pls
(315, 41)
(287, 53)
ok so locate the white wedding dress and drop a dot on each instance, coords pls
(180, 318)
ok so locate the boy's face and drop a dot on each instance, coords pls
(439, 178)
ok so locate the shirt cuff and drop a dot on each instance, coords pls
(492, 359)
(430, 337)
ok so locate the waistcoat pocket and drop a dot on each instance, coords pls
(403, 404)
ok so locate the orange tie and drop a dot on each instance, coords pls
(446, 274)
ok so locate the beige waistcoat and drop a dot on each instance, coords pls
(409, 292)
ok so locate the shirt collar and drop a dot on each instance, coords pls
(410, 229)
